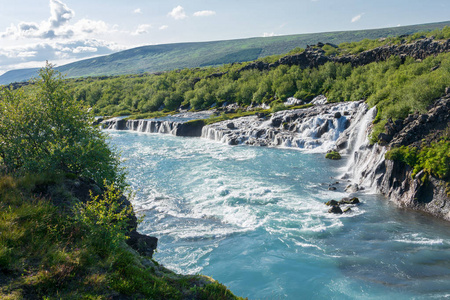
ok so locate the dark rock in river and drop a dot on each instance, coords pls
(332, 203)
(143, 244)
(335, 209)
(353, 200)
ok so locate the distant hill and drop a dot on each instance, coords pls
(190, 55)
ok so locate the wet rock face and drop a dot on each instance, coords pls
(143, 244)
(424, 193)
(335, 209)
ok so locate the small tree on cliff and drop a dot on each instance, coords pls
(48, 131)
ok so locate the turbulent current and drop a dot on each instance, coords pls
(253, 218)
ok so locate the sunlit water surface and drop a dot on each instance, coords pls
(253, 218)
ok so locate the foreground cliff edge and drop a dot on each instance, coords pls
(49, 250)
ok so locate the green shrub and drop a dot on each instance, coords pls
(333, 155)
(278, 107)
(433, 159)
(104, 220)
(50, 132)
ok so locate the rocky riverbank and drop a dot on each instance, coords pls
(395, 179)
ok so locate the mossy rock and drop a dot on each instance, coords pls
(333, 155)
(332, 203)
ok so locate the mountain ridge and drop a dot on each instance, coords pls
(165, 57)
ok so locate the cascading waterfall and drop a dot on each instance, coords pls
(318, 129)
(315, 129)
(364, 159)
(149, 126)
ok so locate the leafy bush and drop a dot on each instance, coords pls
(104, 220)
(333, 155)
(50, 132)
(278, 107)
(433, 159)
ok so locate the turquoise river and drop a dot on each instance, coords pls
(253, 218)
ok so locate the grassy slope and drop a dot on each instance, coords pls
(47, 252)
(191, 55)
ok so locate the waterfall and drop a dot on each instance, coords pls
(314, 129)
(149, 126)
(364, 161)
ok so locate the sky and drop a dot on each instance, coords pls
(63, 31)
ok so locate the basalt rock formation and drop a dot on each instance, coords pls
(314, 56)
(423, 191)
(393, 178)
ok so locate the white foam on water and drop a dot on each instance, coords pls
(415, 238)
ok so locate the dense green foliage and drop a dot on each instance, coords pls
(50, 132)
(191, 55)
(396, 88)
(433, 159)
(103, 220)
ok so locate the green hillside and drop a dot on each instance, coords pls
(190, 55)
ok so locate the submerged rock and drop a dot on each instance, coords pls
(332, 203)
(335, 209)
(353, 200)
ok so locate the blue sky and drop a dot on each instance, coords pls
(62, 31)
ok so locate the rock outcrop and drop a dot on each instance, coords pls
(394, 179)
(314, 56)
(81, 189)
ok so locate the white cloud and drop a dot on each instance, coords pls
(84, 50)
(35, 55)
(56, 27)
(142, 29)
(204, 13)
(137, 11)
(59, 39)
(163, 27)
(27, 54)
(357, 18)
(177, 13)
(60, 13)
(269, 34)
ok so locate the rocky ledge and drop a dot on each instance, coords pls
(314, 56)
(422, 192)
(81, 189)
